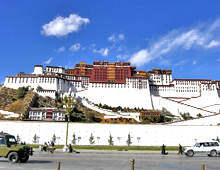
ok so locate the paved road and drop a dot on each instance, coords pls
(113, 161)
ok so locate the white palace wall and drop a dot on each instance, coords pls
(48, 93)
(124, 97)
(212, 120)
(175, 108)
(33, 82)
(141, 135)
(207, 98)
(56, 84)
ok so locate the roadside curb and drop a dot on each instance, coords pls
(115, 152)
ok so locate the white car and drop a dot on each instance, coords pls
(210, 148)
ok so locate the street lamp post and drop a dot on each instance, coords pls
(68, 103)
(65, 148)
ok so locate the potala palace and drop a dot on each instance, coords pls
(120, 84)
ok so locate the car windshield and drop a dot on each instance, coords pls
(197, 145)
(11, 140)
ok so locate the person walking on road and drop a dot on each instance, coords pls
(163, 150)
(180, 149)
(70, 148)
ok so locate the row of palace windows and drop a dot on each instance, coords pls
(107, 73)
(44, 113)
(54, 69)
(136, 85)
(186, 90)
(32, 80)
(157, 82)
(110, 85)
(39, 118)
(161, 89)
(139, 86)
(72, 78)
(186, 87)
(210, 89)
(188, 82)
(74, 85)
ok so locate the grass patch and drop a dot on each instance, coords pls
(98, 147)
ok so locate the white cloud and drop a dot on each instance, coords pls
(121, 47)
(122, 57)
(48, 61)
(141, 57)
(194, 62)
(75, 47)
(213, 44)
(112, 38)
(200, 36)
(92, 45)
(116, 39)
(121, 37)
(62, 26)
(165, 62)
(218, 59)
(61, 49)
(181, 62)
(103, 51)
(67, 66)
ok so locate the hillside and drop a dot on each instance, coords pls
(7, 97)
(10, 101)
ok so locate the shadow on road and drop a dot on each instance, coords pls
(38, 161)
(30, 161)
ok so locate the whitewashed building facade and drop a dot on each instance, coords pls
(155, 90)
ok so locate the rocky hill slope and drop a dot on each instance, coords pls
(10, 101)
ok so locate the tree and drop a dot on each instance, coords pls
(39, 88)
(129, 140)
(91, 139)
(21, 92)
(35, 138)
(110, 140)
(68, 105)
(218, 139)
(74, 139)
(186, 116)
(54, 138)
(199, 115)
(89, 116)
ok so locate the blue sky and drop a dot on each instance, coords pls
(180, 35)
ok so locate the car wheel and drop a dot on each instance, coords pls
(190, 153)
(213, 153)
(13, 157)
(24, 158)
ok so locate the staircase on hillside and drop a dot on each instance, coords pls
(180, 102)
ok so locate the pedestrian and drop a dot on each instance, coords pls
(180, 149)
(52, 144)
(163, 150)
(48, 143)
(70, 148)
(45, 146)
